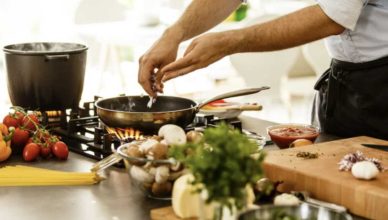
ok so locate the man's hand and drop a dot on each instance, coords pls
(163, 52)
(199, 16)
(202, 52)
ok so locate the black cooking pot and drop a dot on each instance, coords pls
(132, 111)
(45, 75)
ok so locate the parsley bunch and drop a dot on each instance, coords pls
(222, 163)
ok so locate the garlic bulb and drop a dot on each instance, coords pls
(364, 170)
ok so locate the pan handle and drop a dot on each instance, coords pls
(236, 93)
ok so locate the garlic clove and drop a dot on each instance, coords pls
(365, 170)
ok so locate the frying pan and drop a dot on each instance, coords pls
(132, 111)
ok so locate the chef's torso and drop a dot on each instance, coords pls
(366, 34)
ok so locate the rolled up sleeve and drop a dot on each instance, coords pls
(344, 12)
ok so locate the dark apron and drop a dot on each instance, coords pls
(352, 99)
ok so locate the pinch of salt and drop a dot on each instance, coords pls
(150, 102)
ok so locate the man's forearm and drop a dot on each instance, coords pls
(200, 16)
(303, 26)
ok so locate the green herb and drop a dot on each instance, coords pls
(223, 163)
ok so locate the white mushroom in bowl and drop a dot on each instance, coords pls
(173, 134)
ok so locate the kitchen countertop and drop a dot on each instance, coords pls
(113, 198)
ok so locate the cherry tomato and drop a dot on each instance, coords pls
(45, 151)
(19, 116)
(30, 121)
(60, 150)
(20, 137)
(10, 121)
(31, 152)
(30, 140)
(13, 119)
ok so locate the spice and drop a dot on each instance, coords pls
(307, 155)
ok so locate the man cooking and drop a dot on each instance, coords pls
(352, 94)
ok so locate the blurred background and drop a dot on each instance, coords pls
(118, 32)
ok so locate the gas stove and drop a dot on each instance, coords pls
(86, 135)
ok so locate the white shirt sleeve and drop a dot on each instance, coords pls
(344, 12)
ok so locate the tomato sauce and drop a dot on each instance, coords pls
(284, 136)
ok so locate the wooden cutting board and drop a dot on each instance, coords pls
(324, 181)
(166, 213)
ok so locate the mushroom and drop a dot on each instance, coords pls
(140, 175)
(194, 136)
(173, 134)
(156, 137)
(148, 165)
(175, 175)
(158, 151)
(163, 141)
(147, 186)
(162, 174)
(176, 166)
(133, 151)
(163, 189)
(152, 171)
(148, 144)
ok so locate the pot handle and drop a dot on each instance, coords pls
(64, 57)
(232, 94)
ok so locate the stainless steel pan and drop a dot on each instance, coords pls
(132, 111)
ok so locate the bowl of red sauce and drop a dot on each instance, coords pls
(284, 134)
